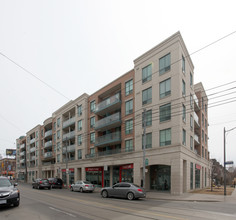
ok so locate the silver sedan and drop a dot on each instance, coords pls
(82, 186)
(124, 190)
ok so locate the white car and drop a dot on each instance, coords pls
(82, 186)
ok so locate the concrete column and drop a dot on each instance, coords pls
(111, 175)
(83, 173)
(137, 172)
(177, 176)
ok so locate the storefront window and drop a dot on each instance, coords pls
(116, 175)
(94, 175)
(197, 176)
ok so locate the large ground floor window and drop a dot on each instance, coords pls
(160, 178)
(95, 175)
(197, 176)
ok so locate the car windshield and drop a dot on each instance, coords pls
(45, 181)
(5, 183)
(86, 182)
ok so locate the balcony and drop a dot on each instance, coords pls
(109, 122)
(22, 146)
(70, 148)
(68, 122)
(32, 149)
(32, 158)
(69, 136)
(48, 155)
(196, 103)
(196, 120)
(108, 139)
(48, 144)
(22, 153)
(111, 104)
(196, 139)
(22, 161)
(48, 133)
(32, 141)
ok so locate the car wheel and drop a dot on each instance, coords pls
(71, 188)
(104, 194)
(33, 187)
(130, 196)
(81, 189)
(49, 187)
(16, 204)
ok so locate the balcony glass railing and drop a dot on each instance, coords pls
(47, 154)
(22, 146)
(108, 121)
(108, 102)
(108, 139)
(196, 118)
(32, 158)
(22, 153)
(196, 138)
(48, 144)
(22, 161)
(68, 122)
(32, 141)
(69, 135)
(32, 149)
(48, 133)
(196, 103)
(70, 148)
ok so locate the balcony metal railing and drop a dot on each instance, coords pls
(48, 154)
(68, 122)
(107, 139)
(32, 141)
(108, 121)
(32, 149)
(108, 102)
(196, 138)
(48, 133)
(109, 152)
(70, 148)
(69, 135)
(22, 146)
(48, 144)
(196, 103)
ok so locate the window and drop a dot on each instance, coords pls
(92, 122)
(205, 124)
(183, 64)
(191, 101)
(79, 153)
(206, 108)
(58, 122)
(92, 151)
(79, 110)
(165, 137)
(92, 138)
(191, 122)
(79, 125)
(129, 145)
(54, 137)
(148, 140)
(129, 127)
(165, 112)
(197, 177)
(148, 118)
(58, 134)
(165, 88)
(202, 120)
(58, 158)
(37, 134)
(164, 64)
(191, 175)
(147, 73)
(205, 153)
(58, 146)
(202, 151)
(54, 126)
(202, 135)
(184, 113)
(183, 88)
(129, 107)
(147, 96)
(205, 139)
(129, 87)
(79, 140)
(184, 137)
(92, 106)
(191, 142)
(191, 79)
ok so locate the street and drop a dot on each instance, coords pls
(63, 204)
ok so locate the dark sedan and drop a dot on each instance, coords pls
(56, 182)
(41, 184)
(124, 190)
(9, 194)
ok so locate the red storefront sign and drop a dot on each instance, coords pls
(71, 169)
(126, 167)
(93, 169)
(198, 167)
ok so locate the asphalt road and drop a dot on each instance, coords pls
(66, 205)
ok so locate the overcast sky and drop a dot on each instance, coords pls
(80, 46)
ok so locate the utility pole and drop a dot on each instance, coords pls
(224, 165)
(67, 171)
(144, 146)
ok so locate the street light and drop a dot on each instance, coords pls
(225, 158)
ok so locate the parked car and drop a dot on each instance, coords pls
(41, 184)
(9, 194)
(56, 182)
(82, 186)
(124, 190)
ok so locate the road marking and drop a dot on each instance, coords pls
(66, 213)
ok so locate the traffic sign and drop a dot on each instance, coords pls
(146, 162)
(229, 162)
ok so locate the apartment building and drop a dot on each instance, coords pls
(100, 137)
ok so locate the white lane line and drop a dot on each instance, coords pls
(66, 213)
